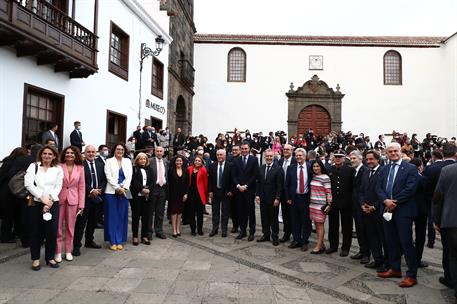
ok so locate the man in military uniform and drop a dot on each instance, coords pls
(341, 177)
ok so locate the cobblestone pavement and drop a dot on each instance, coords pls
(210, 270)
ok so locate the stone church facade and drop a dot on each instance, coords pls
(291, 83)
(181, 64)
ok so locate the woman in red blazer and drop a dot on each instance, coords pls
(71, 199)
(197, 194)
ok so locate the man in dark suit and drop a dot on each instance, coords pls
(51, 134)
(158, 194)
(245, 170)
(178, 140)
(95, 186)
(298, 179)
(284, 163)
(364, 249)
(370, 206)
(231, 157)
(76, 137)
(139, 142)
(220, 192)
(150, 137)
(432, 173)
(342, 178)
(268, 193)
(396, 189)
(445, 221)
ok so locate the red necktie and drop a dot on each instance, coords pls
(302, 181)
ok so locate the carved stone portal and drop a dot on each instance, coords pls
(314, 105)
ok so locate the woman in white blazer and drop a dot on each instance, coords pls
(118, 171)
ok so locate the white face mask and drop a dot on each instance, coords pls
(387, 216)
(47, 216)
(105, 153)
(78, 128)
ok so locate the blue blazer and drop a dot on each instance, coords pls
(291, 181)
(404, 189)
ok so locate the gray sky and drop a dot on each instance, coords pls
(327, 17)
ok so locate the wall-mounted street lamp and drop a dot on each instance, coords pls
(145, 53)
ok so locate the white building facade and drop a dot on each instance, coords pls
(78, 77)
(406, 84)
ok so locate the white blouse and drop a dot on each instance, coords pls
(47, 182)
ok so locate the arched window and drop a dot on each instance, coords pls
(236, 65)
(392, 68)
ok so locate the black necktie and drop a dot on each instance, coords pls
(266, 171)
(219, 178)
(372, 171)
(92, 174)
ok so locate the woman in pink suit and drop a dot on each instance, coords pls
(71, 199)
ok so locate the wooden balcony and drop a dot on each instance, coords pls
(37, 28)
(187, 72)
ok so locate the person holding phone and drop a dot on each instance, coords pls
(71, 199)
(320, 202)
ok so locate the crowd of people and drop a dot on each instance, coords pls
(384, 190)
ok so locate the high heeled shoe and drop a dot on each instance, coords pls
(52, 265)
(145, 241)
(36, 267)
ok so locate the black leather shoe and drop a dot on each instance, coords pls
(294, 245)
(275, 242)
(240, 236)
(365, 260)
(357, 256)
(250, 238)
(200, 232)
(92, 244)
(213, 233)
(344, 253)
(145, 241)
(193, 233)
(224, 234)
(422, 264)
(430, 245)
(52, 265)
(263, 239)
(99, 226)
(76, 252)
(284, 239)
(9, 241)
(445, 282)
(304, 247)
(234, 230)
(373, 265)
(161, 236)
(331, 250)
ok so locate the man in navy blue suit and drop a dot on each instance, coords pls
(76, 137)
(396, 189)
(284, 163)
(245, 170)
(298, 178)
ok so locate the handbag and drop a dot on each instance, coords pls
(17, 186)
(325, 207)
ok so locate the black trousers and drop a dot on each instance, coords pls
(157, 197)
(85, 224)
(301, 223)
(269, 219)
(41, 230)
(375, 235)
(246, 211)
(286, 220)
(196, 208)
(234, 212)
(361, 230)
(220, 210)
(141, 209)
(420, 228)
(449, 257)
(334, 227)
(11, 217)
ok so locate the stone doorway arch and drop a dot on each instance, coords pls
(314, 117)
(325, 100)
(181, 115)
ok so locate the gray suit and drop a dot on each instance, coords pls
(48, 135)
(158, 195)
(444, 212)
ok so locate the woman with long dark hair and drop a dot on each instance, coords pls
(177, 192)
(197, 193)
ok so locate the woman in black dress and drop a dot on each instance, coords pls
(177, 187)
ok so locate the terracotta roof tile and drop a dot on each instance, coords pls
(405, 41)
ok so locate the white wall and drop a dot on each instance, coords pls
(86, 100)
(420, 105)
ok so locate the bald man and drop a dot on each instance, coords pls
(94, 174)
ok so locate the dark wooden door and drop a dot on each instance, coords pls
(316, 118)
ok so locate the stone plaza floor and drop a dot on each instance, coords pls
(210, 270)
